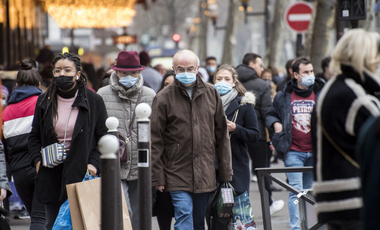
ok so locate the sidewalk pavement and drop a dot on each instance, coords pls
(280, 220)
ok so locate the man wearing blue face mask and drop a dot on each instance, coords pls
(188, 128)
(290, 116)
(121, 97)
(211, 66)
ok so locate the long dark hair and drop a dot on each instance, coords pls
(51, 92)
(168, 74)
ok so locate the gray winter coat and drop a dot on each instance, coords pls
(4, 184)
(121, 103)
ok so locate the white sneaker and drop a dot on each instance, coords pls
(276, 206)
(254, 178)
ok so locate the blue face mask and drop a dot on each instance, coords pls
(128, 81)
(307, 81)
(186, 78)
(211, 69)
(223, 87)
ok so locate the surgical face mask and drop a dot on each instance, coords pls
(308, 80)
(211, 69)
(64, 82)
(128, 81)
(223, 87)
(186, 78)
(3, 102)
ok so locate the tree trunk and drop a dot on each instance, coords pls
(323, 21)
(229, 32)
(276, 36)
(370, 22)
(202, 30)
(307, 40)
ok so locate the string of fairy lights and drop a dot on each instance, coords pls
(71, 13)
(90, 13)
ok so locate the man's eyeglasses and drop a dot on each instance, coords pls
(191, 69)
(57, 71)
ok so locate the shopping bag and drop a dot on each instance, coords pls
(242, 215)
(63, 220)
(220, 208)
(85, 200)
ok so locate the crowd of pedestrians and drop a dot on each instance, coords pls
(207, 125)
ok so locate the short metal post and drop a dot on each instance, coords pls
(111, 202)
(143, 112)
(302, 213)
(108, 145)
(264, 201)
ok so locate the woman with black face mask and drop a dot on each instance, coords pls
(71, 115)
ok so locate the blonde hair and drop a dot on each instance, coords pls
(359, 49)
(238, 86)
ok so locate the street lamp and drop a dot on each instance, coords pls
(188, 24)
(213, 11)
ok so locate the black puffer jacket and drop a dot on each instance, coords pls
(248, 77)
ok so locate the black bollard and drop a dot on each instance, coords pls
(143, 111)
(111, 204)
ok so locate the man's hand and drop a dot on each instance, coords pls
(160, 188)
(38, 166)
(3, 194)
(277, 127)
(91, 169)
(231, 126)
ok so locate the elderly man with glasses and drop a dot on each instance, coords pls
(188, 129)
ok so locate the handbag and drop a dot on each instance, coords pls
(4, 225)
(55, 154)
(123, 147)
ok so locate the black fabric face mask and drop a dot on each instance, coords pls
(64, 82)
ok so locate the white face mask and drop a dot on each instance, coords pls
(3, 102)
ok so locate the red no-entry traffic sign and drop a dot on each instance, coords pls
(298, 16)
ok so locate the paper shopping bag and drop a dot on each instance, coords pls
(87, 215)
(76, 217)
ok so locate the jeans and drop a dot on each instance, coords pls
(189, 210)
(299, 181)
(24, 181)
(131, 195)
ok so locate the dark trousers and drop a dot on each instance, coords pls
(25, 185)
(52, 211)
(259, 157)
(164, 210)
(344, 225)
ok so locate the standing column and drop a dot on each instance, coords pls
(111, 202)
(143, 112)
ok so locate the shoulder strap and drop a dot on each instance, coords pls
(344, 154)
(134, 114)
